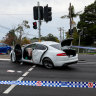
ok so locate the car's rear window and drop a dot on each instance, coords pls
(57, 46)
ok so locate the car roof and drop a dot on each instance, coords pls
(47, 43)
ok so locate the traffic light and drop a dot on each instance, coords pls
(47, 13)
(35, 25)
(35, 12)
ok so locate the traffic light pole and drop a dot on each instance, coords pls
(39, 22)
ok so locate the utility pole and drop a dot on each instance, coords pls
(61, 29)
(60, 33)
(39, 22)
(70, 18)
(79, 40)
(63, 33)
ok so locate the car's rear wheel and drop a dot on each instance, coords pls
(13, 57)
(48, 63)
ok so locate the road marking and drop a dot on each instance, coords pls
(13, 85)
(11, 71)
(20, 78)
(19, 71)
(25, 74)
(4, 59)
(34, 66)
(30, 69)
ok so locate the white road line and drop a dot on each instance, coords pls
(20, 78)
(25, 74)
(12, 86)
(34, 66)
(30, 69)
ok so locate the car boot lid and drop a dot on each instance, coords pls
(66, 42)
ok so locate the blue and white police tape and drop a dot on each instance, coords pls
(90, 48)
(52, 83)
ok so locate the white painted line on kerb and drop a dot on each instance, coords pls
(12, 86)
(4, 59)
(25, 74)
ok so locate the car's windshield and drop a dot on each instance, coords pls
(57, 46)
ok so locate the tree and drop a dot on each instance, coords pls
(88, 24)
(50, 37)
(73, 14)
(10, 38)
(25, 40)
(75, 36)
(20, 29)
(70, 16)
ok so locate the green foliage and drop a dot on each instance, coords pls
(10, 38)
(88, 24)
(25, 40)
(49, 37)
(73, 14)
(75, 36)
(20, 29)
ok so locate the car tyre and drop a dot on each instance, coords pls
(13, 57)
(48, 63)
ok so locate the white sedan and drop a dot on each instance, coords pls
(45, 53)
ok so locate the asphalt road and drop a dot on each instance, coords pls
(84, 71)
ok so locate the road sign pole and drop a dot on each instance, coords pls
(39, 22)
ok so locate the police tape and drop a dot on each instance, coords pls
(90, 48)
(52, 84)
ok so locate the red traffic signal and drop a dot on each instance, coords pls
(35, 25)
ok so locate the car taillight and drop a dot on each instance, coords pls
(61, 54)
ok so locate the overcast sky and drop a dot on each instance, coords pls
(13, 12)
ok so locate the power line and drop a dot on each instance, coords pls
(4, 27)
(16, 14)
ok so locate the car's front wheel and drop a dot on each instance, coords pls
(13, 57)
(48, 63)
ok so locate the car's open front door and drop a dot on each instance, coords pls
(18, 52)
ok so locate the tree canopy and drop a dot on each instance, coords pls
(88, 24)
(49, 37)
(10, 38)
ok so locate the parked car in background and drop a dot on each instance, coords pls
(4, 48)
(46, 53)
